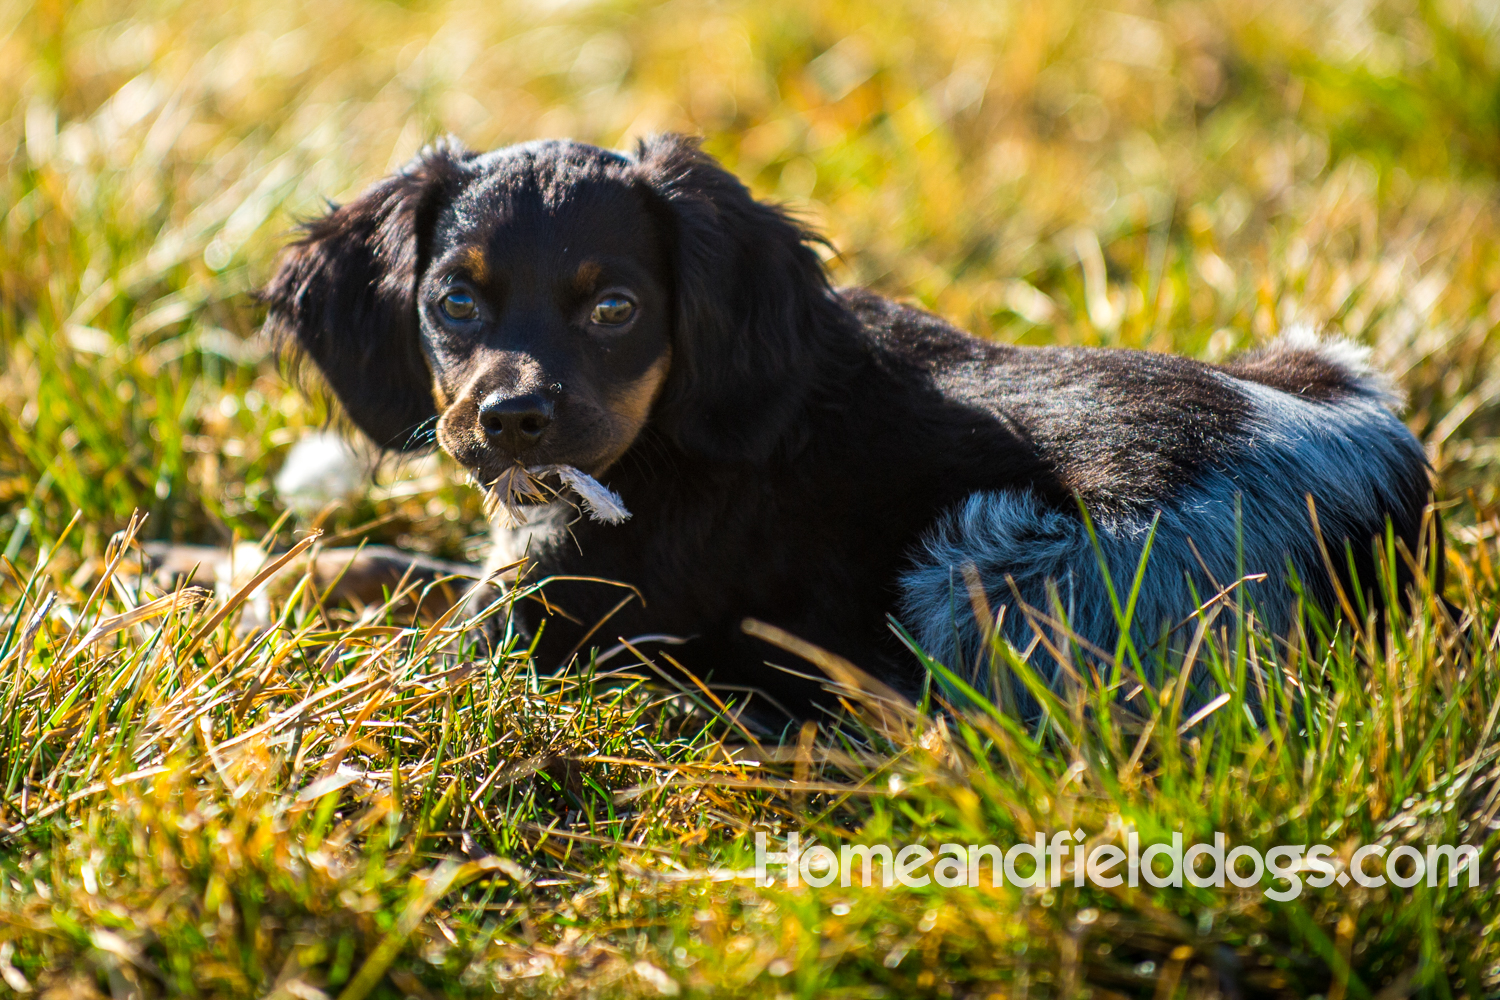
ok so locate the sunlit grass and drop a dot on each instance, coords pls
(357, 805)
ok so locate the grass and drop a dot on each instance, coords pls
(345, 805)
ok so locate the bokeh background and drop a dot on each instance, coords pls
(1186, 176)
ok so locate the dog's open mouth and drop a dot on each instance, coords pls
(519, 487)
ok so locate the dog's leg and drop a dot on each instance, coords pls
(366, 575)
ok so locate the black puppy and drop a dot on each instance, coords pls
(818, 459)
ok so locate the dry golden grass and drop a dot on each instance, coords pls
(1176, 176)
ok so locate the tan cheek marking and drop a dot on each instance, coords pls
(478, 267)
(439, 397)
(632, 403)
(458, 413)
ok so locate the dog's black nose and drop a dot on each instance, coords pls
(515, 422)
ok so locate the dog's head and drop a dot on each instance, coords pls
(543, 303)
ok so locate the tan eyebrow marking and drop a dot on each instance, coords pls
(479, 268)
(586, 277)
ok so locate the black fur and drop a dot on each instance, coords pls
(344, 295)
(754, 294)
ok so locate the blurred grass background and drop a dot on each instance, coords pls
(1187, 176)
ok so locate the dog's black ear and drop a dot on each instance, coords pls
(344, 295)
(752, 307)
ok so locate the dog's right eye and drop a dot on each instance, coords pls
(458, 305)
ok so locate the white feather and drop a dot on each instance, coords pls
(602, 503)
(319, 469)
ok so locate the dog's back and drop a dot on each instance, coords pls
(1220, 460)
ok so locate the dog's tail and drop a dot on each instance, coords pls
(1305, 364)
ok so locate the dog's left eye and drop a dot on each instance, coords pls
(613, 311)
(458, 305)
